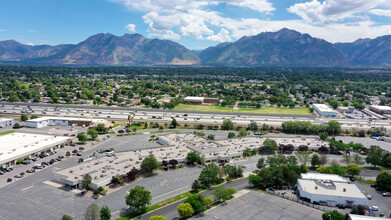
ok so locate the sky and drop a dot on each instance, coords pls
(196, 24)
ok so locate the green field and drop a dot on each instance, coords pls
(265, 110)
(7, 132)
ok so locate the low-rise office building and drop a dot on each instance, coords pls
(324, 110)
(60, 121)
(380, 109)
(330, 189)
(200, 100)
(18, 146)
(6, 122)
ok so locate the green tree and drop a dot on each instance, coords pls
(197, 202)
(209, 175)
(231, 135)
(196, 185)
(303, 157)
(86, 181)
(101, 128)
(383, 181)
(333, 128)
(174, 123)
(346, 158)
(353, 169)
(193, 158)
(208, 202)
(315, 160)
(92, 133)
(345, 103)
(185, 210)
(333, 169)
(149, 164)
(254, 180)
(66, 217)
(228, 125)
(222, 194)
(82, 137)
(253, 126)
(211, 136)
(138, 198)
(92, 212)
(323, 159)
(157, 217)
(270, 145)
(117, 180)
(292, 160)
(333, 215)
(261, 163)
(333, 103)
(24, 117)
(242, 133)
(323, 135)
(375, 155)
(34, 116)
(105, 213)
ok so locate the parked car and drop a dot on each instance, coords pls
(9, 180)
(374, 208)
(30, 171)
(369, 196)
(1, 172)
(78, 154)
(9, 169)
(222, 164)
(18, 176)
(387, 194)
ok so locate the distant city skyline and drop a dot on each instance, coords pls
(196, 24)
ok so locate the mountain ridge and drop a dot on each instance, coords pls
(285, 47)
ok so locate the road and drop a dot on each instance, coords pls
(183, 117)
(171, 212)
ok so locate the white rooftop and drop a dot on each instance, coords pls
(194, 98)
(6, 119)
(363, 217)
(331, 188)
(322, 176)
(382, 107)
(17, 145)
(65, 119)
(323, 108)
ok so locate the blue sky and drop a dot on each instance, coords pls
(195, 24)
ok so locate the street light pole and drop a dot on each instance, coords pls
(72, 206)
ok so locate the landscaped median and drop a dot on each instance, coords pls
(156, 206)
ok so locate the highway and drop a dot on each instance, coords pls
(182, 117)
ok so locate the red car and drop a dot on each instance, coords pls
(73, 135)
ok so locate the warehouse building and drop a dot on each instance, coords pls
(6, 122)
(380, 109)
(324, 110)
(18, 146)
(57, 121)
(330, 189)
(200, 100)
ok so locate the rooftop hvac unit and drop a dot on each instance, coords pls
(344, 189)
(316, 187)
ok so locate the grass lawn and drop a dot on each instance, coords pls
(375, 168)
(156, 206)
(265, 110)
(7, 132)
(367, 181)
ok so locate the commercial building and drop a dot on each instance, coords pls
(330, 189)
(58, 121)
(18, 146)
(6, 122)
(324, 110)
(343, 109)
(380, 109)
(200, 100)
(363, 217)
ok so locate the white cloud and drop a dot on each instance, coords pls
(332, 10)
(381, 12)
(177, 19)
(2, 30)
(30, 44)
(131, 27)
(222, 36)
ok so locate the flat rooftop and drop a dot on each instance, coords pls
(322, 176)
(323, 108)
(65, 119)
(382, 107)
(17, 145)
(6, 119)
(316, 187)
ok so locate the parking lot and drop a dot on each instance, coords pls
(256, 205)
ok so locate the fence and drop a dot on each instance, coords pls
(282, 195)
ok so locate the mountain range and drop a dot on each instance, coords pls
(282, 48)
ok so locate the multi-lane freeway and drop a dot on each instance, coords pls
(183, 117)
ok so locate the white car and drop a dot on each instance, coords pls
(374, 208)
